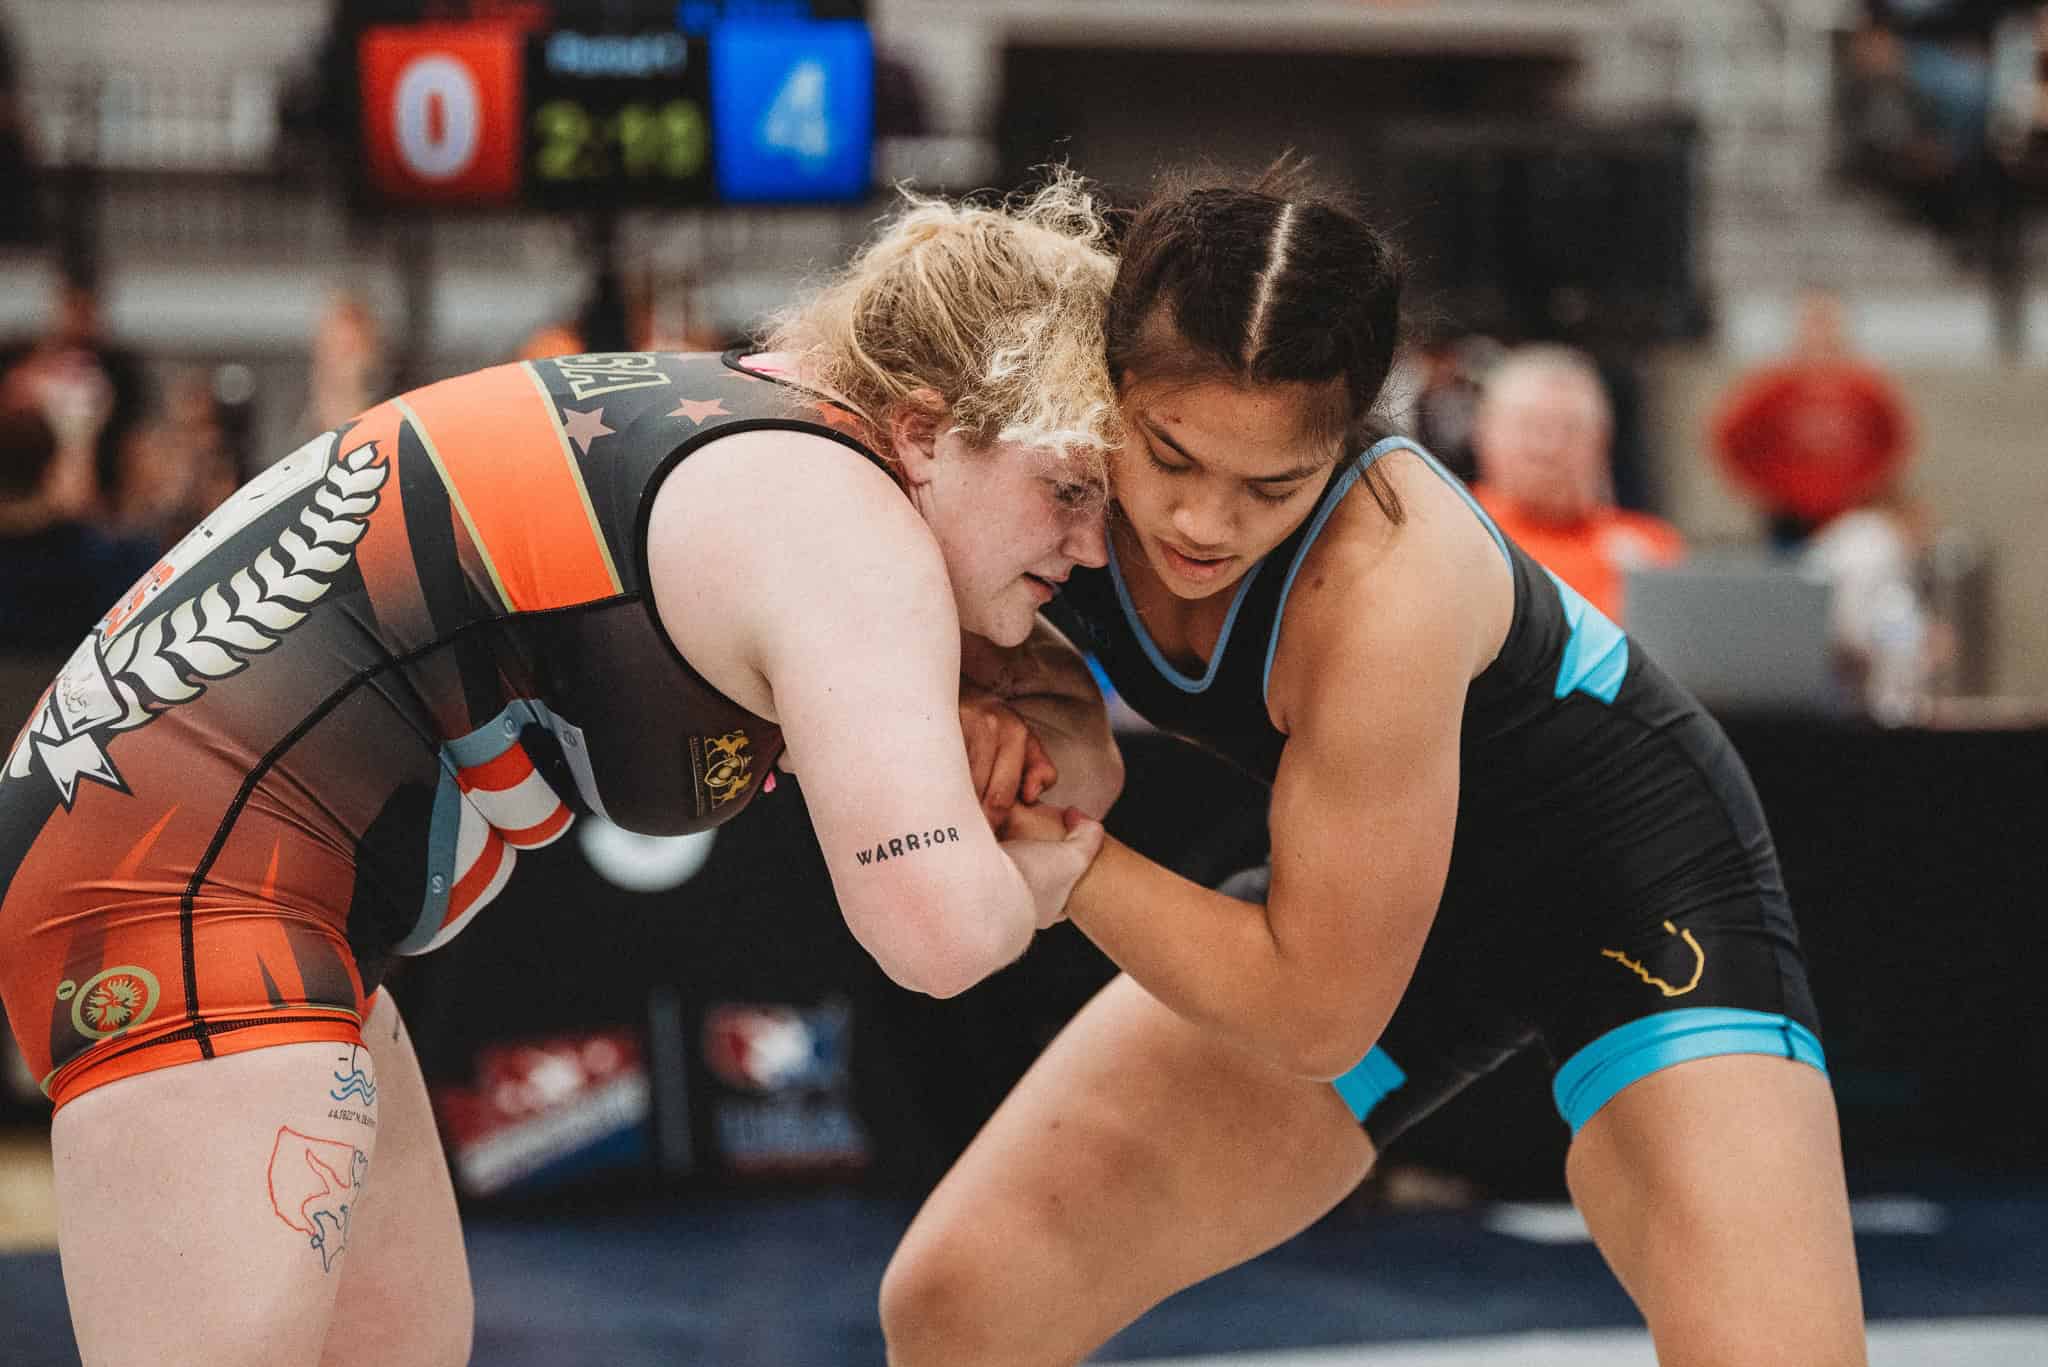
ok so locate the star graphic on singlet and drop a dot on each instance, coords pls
(696, 410)
(584, 428)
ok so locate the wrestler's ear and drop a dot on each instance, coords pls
(914, 426)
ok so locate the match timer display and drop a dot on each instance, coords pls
(618, 118)
(481, 115)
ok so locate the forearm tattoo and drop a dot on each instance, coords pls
(896, 846)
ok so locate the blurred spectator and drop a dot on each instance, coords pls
(1887, 641)
(1816, 433)
(58, 573)
(1922, 91)
(348, 368)
(661, 315)
(85, 384)
(180, 466)
(610, 318)
(1446, 387)
(1541, 442)
(1822, 440)
(677, 318)
(2018, 95)
(550, 339)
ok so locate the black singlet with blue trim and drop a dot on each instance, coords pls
(1611, 859)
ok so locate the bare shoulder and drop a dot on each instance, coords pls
(1375, 598)
(759, 538)
(767, 469)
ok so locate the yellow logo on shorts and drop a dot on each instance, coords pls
(112, 1001)
(1699, 964)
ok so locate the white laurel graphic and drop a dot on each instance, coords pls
(169, 660)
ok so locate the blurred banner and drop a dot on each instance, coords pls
(694, 1014)
(749, 1043)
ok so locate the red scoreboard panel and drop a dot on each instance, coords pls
(444, 118)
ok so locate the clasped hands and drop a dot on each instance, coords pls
(1011, 771)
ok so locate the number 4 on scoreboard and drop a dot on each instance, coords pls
(792, 110)
(797, 122)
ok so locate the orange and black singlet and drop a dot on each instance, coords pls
(318, 733)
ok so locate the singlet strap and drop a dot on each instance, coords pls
(1335, 495)
(1184, 682)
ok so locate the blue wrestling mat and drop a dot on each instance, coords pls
(790, 1282)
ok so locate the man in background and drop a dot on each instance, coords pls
(1541, 444)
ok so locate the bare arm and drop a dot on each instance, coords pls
(1047, 682)
(1363, 811)
(836, 619)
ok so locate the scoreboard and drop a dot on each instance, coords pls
(492, 114)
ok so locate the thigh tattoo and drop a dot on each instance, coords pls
(316, 1182)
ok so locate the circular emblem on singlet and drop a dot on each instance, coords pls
(114, 1000)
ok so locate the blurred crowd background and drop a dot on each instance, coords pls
(1777, 257)
(1733, 311)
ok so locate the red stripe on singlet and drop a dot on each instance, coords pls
(507, 771)
(472, 884)
(541, 832)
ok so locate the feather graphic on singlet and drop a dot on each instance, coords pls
(205, 638)
(123, 678)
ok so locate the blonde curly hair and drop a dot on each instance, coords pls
(996, 307)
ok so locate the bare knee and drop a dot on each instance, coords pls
(939, 1301)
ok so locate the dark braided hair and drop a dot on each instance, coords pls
(1277, 281)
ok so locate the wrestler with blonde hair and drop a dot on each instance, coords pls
(320, 732)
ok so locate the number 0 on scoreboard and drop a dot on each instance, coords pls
(443, 117)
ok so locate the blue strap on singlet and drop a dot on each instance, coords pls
(1370, 1083)
(1335, 495)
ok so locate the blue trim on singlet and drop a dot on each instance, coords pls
(442, 829)
(497, 735)
(1331, 498)
(1628, 1053)
(1458, 487)
(1595, 659)
(1104, 685)
(1368, 1084)
(1159, 661)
